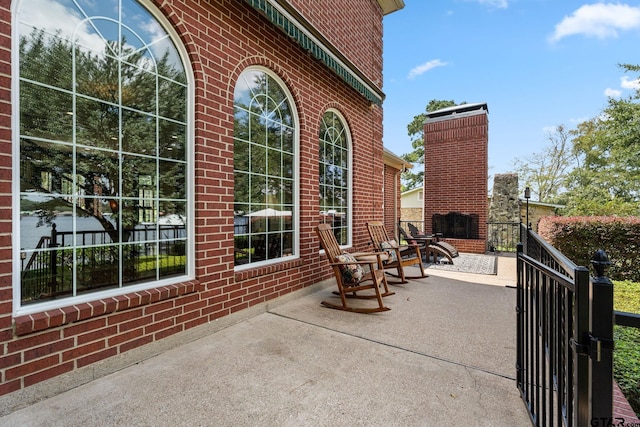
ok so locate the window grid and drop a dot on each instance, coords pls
(104, 176)
(334, 176)
(264, 162)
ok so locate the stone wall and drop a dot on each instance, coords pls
(505, 204)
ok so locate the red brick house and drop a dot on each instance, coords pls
(164, 163)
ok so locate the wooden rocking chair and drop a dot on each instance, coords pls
(453, 251)
(400, 255)
(428, 247)
(351, 277)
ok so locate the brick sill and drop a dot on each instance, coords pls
(267, 269)
(36, 322)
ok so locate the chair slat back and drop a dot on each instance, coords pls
(405, 236)
(378, 233)
(328, 241)
(413, 230)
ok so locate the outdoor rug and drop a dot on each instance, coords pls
(469, 263)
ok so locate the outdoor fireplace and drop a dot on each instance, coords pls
(456, 225)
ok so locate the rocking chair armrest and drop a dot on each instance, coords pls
(359, 262)
(380, 255)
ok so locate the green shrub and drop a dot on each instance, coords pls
(578, 238)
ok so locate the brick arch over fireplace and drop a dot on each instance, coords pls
(456, 168)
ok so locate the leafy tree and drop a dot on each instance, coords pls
(545, 172)
(414, 178)
(607, 180)
(102, 180)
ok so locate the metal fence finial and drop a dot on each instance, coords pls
(600, 262)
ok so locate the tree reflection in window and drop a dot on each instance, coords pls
(334, 175)
(264, 161)
(103, 159)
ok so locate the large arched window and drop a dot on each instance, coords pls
(265, 168)
(335, 177)
(102, 151)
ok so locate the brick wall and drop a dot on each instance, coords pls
(391, 200)
(353, 26)
(222, 38)
(456, 167)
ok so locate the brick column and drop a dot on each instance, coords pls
(456, 168)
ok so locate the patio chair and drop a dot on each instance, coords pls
(351, 276)
(400, 256)
(429, 250)
(453, 251)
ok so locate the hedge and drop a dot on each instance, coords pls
(579, 238)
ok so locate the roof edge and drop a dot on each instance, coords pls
(390, 6)
(394, 160)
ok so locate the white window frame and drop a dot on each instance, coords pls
(18, 308)
(347, 132)
(296, 172)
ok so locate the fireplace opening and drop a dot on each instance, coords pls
(456, 225)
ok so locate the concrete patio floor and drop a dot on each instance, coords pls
(443, 356)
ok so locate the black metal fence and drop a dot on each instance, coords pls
(64, 262)
(564, 337)
(503, 236)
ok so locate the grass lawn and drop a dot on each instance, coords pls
(626, 357)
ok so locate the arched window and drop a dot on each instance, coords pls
(335, 175)
(103, 140)
(265, 169)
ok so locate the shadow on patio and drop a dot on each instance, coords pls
(444, 355)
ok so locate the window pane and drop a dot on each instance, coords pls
(138, 173)
(46, 166)
(97, 123)
(52, 119)
(45, 58)
(173, 180)
(241, 156)
(100, 170)
(172, 139)
(98, 268)
(172, 100)
(138, 132)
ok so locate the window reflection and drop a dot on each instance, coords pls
(264, 170)
(103, 159)
(334, 175)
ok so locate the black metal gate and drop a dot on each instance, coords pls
(565, 337)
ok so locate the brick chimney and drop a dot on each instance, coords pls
(456, 172)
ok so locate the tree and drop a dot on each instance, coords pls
(607, 180)
(92, 178)
(545, 172)
(415, 178)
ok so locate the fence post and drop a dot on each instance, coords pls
(602, 319)
(53, 262)
(581, 339)
(519, 314)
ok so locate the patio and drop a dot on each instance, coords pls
(444, 355)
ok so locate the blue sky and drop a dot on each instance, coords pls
(536, 63)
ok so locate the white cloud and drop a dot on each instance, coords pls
(600, 20)
(612, 93)
(627, 83)
(54, 17)
(421, 69)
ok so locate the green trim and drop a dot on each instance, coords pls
(293, 30)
